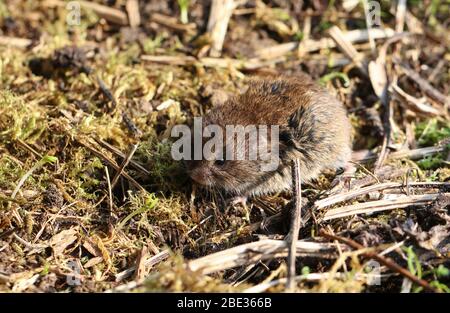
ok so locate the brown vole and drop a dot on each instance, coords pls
(313, 126)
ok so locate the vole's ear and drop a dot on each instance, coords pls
(286, 141)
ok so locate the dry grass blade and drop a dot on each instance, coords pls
(278, 50)
(29, 148)
(412, 154)
(15, 42)
(301, 51)
(30, 246)
(395, 202)
(169, 59)
(320, 204)
(111, 163)
(250, 64)
(426, 87)
(400, 16)
(110, 14)
(257, 251)
(22, 180)
(312, 45)
(414, 25)
(25, 194)
(124, 165)
(416, 154)
(116, 151)
(172, 22)
(110, 194)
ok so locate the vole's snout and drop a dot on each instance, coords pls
(201, 176)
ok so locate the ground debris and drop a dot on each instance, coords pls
(114, 209)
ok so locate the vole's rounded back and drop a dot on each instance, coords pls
(313, 126)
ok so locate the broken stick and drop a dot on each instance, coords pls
(348, 49)
(221, 11)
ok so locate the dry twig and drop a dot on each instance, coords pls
(424, 84)
(134, 16)
(384, 260)
(348, 49)
(15, 42)
(220, 14)
(295, 223)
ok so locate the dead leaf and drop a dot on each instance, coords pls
(105, 253)
(438, 239)
(93, 262)
(92, 248)
(140, 264)
(378, 77)
(62, 240)
(25, 282)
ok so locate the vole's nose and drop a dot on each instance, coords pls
(200, 176)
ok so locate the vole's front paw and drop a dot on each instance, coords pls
(342, 181)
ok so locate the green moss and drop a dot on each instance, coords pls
(10, 172)
(20, 120)
(4, 12)
(429, 133)
(165, 173)
(434, 162)
(173, 276)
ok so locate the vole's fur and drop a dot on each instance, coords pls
(313, 127)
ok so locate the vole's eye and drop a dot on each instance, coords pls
(219, 162)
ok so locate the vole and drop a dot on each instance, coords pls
(313, 127)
